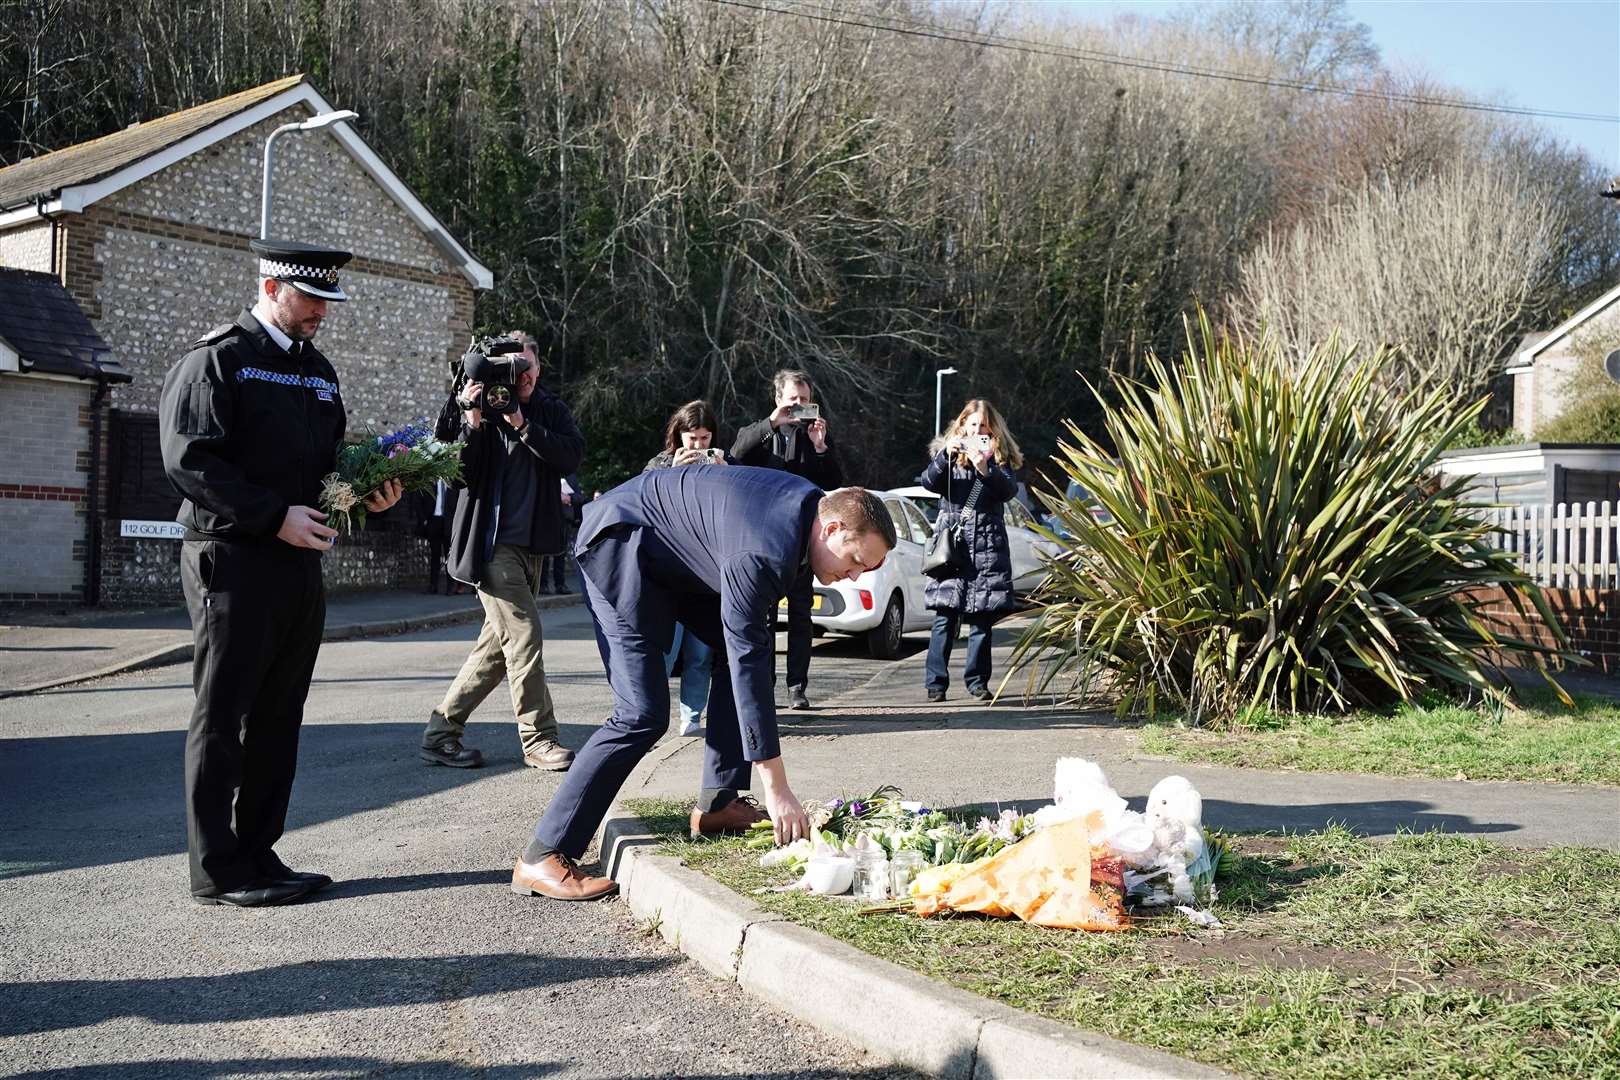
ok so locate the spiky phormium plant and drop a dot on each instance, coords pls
(1277, 540)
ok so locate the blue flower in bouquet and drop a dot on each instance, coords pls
(407, 437)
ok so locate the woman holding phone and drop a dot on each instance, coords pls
(687, 439)
(972, 472)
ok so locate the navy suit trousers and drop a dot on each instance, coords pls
(634, 662)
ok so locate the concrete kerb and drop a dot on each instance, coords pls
(901, 1017)
(181, 652)
(168, 654)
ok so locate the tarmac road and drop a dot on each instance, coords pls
(418, 962)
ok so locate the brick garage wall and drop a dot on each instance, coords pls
(1590, 618)
(146, 573)
(45, 444)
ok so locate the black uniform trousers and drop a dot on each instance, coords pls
(634, 662)
(799, 598)
(257, 613)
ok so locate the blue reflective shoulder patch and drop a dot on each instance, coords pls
(324, 388)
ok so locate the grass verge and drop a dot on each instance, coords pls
(1539, 739)
(1426, 956)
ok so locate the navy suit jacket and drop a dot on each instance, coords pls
(663, 547)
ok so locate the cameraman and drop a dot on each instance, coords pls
(785, 440)
(508, 517)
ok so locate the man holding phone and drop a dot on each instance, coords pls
(794, 438)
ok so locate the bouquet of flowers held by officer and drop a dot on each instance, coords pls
(410, 455)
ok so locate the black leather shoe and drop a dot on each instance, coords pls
(982, 693)
(273, 869)
(453, 754)
(936, 695)
(260, 893)
(313, 881)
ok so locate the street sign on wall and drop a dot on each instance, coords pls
(152, 530)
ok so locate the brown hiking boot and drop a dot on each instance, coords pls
(560, 878)
(734, 817)
(550, 755)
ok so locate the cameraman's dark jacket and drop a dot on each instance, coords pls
(557, 448)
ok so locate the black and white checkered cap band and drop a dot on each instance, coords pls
(270, 268)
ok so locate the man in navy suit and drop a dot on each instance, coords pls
(714, 548)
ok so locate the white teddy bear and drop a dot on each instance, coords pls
(1165, 844)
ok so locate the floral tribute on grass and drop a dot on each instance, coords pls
(1079, 863)
(410, 455)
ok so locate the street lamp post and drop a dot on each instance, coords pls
(939, 383)
(306, 125)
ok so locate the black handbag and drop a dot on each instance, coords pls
(944, 555)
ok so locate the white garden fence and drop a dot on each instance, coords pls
(1567, 545)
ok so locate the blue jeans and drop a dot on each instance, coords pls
(976, 672)
(694, 674)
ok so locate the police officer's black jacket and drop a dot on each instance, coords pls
(555, 446)
(247, 431)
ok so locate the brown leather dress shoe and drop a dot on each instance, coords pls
(734, 817)
(560, 878)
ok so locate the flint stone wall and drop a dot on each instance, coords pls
(27, 247)
(146, 572)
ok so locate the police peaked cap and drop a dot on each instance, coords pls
(305, 267)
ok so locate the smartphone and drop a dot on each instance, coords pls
(806, 412)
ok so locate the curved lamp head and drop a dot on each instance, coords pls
(945, 371)
(328, 118)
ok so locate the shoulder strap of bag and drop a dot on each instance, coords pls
(973, 496)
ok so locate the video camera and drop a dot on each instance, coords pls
(496, 363)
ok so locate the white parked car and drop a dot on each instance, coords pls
(1026, 545)
(885, 603)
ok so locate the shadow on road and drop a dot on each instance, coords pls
(1374, 817)
(310, 988)
(96, 800)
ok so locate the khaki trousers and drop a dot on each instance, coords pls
(509, 646)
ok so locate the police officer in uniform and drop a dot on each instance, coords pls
(251, 419)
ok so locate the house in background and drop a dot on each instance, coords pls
(1542, 366)
(146, 230)
(1536, 474)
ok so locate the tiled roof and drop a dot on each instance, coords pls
(89, 161)
(42, 321)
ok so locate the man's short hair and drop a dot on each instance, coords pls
(861, 512)
(790, 377)
(530, 342)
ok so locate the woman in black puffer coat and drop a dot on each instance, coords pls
(977, 447)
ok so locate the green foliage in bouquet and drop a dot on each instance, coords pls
(1276, 541)
(410, 455)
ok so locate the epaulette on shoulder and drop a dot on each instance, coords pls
(216, 334)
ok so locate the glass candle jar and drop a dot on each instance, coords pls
(904, 866)
(871, 874)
